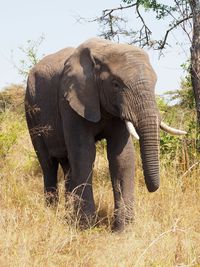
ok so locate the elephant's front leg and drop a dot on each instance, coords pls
(81, 152)
(80, 184)
(121, 164)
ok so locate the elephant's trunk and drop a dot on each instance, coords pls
(140, 108)
(149, 146)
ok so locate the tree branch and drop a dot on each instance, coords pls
(112, 23)
(107, 12)
(164, 41)
(146, 29)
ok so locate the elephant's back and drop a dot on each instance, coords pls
(44, 77)
(53, 64)
(41, 98)
(56, 59)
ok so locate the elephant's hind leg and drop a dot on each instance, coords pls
(49, 167)
(64, 162)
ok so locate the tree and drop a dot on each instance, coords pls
(195, 54)
(180, 13)
(30, 54)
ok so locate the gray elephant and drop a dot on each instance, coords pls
(80, 95)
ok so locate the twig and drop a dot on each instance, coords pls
(189, 170)
(172, 230)
(106, 12)
(39, 130)
(146, 29)
(164, 41)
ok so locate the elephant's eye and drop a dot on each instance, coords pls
(115, 84)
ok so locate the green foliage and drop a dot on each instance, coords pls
(178, 110)
(16, 151)
(30, 52)
(12, 98)
(184, 97)
(11, 127)
(12, 123)
(160, 9)
(162, 104)
(179, 149)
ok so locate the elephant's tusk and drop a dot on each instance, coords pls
(131, 129)
(171, 130)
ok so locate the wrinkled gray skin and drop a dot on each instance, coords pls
(78, 96)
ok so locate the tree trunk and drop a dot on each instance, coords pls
(195, 55)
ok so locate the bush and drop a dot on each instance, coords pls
(12, 98)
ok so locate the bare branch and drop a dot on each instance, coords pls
(108, 12)
(146, 29)
(113, 25)
(183, 11)
(164, 41)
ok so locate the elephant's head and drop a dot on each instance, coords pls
(119, 79)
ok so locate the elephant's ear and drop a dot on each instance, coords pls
(79, 85)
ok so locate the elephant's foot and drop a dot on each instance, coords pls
(122, 218)
(51, 197)
(120, 225)
(86, 217)
(84, 213)
(86, 221)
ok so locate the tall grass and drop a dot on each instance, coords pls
(166, 230)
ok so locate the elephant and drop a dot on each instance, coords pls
(77, 96)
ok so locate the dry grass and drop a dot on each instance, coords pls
(166, 231)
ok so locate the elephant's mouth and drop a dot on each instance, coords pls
(163, 126)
